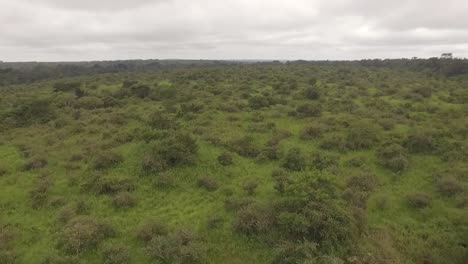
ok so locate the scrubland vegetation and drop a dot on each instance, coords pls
(331, 162)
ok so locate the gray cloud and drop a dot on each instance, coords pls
(231, 29)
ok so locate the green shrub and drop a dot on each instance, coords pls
(361, 135)
(108, 184)
(181, 247)
(334, 141)
(34, 111)
(116, 254)
(34, 163)
(449, 186)
(151, 228)
(89, 102)
(178, 149)
(161, 120)
(165, 180)
(233, 203)
(124, 200)
(309, 110)
(311, 93)
(39, 194)
(106, 160)
(208, 183)
(245, 147)
(418, 200)
(225, 159)
(322, 160)
(65, 86)
(250, 186)
(311, 132)
(295, 160)
(393, 156)
(420, 142)
(253, 219)
(288, 252)
(83, 233)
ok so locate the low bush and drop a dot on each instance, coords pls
(108, 184)
(309, 110)
(393, 156)
(295, 160)
(225, 159)
(322, 160)
(245, 147)
(178, 247)
(124, 200)
(207, 182)
(165, 180)
(418, 200)
(161, 120)
(151, 228)
(334, 141)
(34, 163)
(83, 233)
(449, 186)
(311, 93)
(106, 160)
(311, 132)
(253, 219)
(39, 193)
(250, 186)
(361, 135)
(116, 254)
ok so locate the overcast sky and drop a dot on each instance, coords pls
(64, 30)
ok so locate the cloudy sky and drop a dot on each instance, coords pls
(64, 30)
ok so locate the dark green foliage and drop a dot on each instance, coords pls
(181, 247)
(420, 142)
(295, 160)
(245, 147)
(449, 186)
(225, 159)
(89, 102)
(292, 253)
(161, 120)
(84, 233)
(66, 86)
(418, 200)
(33, 111)
(107, 159)
(207, 182)
(322, 160)
(253, 219)
(116, 254)
(361, 135)
(7, 238)
(108, 184)
(321, 222)
(393, 156)
(250, 186)
(178, 149)
(312, 93)
(309, 110)
(124, 200)
(39, 193)
(36, 162)
(311, 132)
(151, 228)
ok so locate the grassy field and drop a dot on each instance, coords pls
(267, 163)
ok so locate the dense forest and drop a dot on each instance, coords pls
(327, 162)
